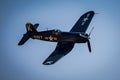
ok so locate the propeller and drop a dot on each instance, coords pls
(88, 41)
(89, 46)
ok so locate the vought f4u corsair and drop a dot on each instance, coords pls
(66, 40)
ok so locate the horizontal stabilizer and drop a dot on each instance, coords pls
(24, 39)
(30, 29)
(36, 25)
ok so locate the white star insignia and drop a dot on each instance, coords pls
(51, 38)
(85, 19)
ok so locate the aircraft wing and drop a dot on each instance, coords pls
(83, 22)
(61, 50)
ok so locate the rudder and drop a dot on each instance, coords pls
(30, 27)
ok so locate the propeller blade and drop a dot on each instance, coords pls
(89, 46)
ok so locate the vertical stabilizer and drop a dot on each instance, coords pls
(30, 29)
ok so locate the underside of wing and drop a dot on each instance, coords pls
(83, 22)
(61, 50)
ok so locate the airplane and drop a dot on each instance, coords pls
(65, 40)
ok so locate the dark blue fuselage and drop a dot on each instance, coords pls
(58, 36)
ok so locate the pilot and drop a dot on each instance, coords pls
(56, 32)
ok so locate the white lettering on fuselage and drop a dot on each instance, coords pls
(37, 37)
(55, 38)
(45, 38)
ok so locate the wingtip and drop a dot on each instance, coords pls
(48, 63)
(92, 11)
(19, 44)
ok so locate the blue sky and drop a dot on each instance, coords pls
(25, 62)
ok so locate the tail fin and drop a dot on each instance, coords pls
(30, 28)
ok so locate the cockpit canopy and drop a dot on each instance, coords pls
(56, 32)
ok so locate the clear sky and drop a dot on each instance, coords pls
(25, 62)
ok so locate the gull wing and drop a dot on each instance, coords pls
(61, 50)
(83, 22)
